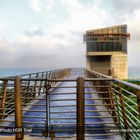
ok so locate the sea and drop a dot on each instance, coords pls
(133, 72)
(14, 72)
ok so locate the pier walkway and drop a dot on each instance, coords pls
(66, 104)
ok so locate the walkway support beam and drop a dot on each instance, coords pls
(18, 109)
(80, 108)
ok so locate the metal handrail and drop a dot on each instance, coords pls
(113, 93)
(121, 91)
(137, 87)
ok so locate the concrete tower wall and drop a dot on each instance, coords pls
(119, 65)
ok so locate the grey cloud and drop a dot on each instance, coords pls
(133, 53)
(119, 10)
(37, 53)
(123, 9)
(125, 5)
(34, 32)
(3, 48)
(59, 35)
(135, 36)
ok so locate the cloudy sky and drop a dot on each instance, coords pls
(49, 33)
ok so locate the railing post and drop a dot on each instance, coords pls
(80, 108)
(18, 109)
(35, 86)
(112, 101)
(138, 100)
(46, 131)
(40, 85)
(2, 111)
(28, 94)
(123, 110)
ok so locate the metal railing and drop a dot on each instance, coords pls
(127, 97)
(109, 107)
(32, 87)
